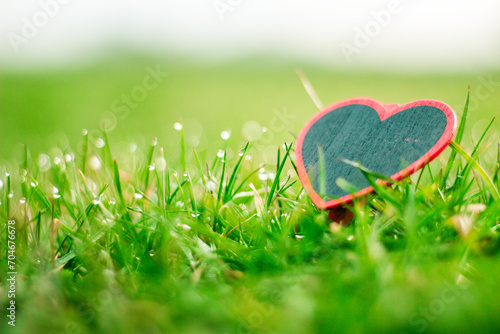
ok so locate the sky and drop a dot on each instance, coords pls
(389, 34)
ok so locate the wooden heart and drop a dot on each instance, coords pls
(387, 139)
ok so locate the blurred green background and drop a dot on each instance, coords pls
(258, 99)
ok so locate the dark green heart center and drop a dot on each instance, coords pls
(355, 132)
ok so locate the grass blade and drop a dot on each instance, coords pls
(183, 149)
(459, 149)
(149, 160)
(279, 169)
(458, 139)
(309, 89)
(107, 150)
(321, 171)
(85, 150)
(221, 184)
(232, 179)
(200, 169)
(117, 182)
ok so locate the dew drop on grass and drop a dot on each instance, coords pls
(178, 126)
(152, 167)
(23, 200)
(185, 227)
(137, 196)
(33, 184)
(264, 129)
(94, 163)
(84, 132)
(57, 160)
(263, 177)
(99, 143)
(225, 134)
(220, 154)
(151, 253)
(112, 201)
(69, 157)
(1, 184)
(97, 201)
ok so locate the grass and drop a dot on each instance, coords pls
(135, 239)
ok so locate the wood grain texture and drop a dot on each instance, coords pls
(388, 139)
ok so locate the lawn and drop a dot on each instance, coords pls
(178, 208)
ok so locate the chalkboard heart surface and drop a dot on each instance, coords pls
(387, 139)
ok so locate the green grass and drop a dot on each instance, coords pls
(152, 238)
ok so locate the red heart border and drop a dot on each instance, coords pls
(384, 111)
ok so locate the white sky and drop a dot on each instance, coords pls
(424, 34)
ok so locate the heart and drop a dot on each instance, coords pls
(387, 139)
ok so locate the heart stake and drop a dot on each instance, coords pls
(387, 139)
